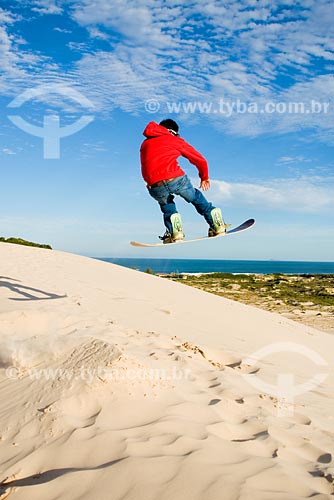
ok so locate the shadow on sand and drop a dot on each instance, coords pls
(27, 292)
(49, 475)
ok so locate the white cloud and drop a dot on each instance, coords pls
(62, 30)
(253, 50)
(96, 33)
(16, 61)
(292, 160)
(142, 21)
(6, 17)
(164, 53)
(8, 151)
(306, 195)
(46, 7)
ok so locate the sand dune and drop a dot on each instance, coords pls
(117, 385)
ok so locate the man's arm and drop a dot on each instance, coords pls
(187, 151)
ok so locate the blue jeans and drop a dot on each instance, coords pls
(182, 187)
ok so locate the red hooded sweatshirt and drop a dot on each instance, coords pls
(159, 153)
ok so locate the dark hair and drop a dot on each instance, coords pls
(170, 125)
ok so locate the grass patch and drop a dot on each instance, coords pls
(292, 290)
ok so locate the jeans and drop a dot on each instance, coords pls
(182, 187)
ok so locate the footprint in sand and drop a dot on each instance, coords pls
(293, 445)
(240, 431)
(297, 418)
(219, 359)
(247, 369)
(214, 402)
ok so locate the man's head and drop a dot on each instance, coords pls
(171, 125)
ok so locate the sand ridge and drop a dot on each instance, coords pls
(120, 385)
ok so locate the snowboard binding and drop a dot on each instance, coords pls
(219, 226)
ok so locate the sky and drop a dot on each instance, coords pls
(249, 82)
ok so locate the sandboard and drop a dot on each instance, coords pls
(245, 225)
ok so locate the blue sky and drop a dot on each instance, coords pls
(229, 72)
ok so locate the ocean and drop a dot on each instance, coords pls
(168, 266)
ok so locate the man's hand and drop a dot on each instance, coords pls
(205, 185)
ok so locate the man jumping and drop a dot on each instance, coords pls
(165, 178)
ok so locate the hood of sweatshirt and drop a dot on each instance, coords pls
(155, 130)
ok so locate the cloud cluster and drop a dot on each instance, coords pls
(301, 195)
(254, 50)
(18, 64)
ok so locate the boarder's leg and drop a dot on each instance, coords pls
(172, 220)
(168, 209)
(171, 217)
(212, 215)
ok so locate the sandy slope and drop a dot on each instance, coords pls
(115, 384)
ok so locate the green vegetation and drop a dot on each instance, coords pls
(20, 241)
(290, 290)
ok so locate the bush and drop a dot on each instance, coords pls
(20, 241)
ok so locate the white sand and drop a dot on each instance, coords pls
(117, 385)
